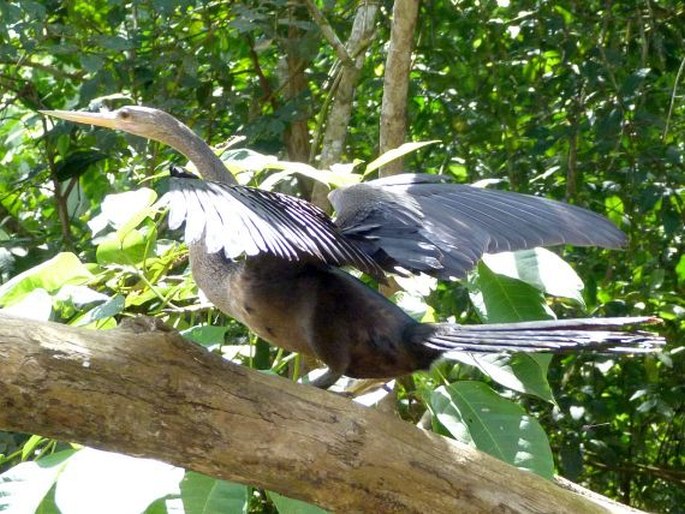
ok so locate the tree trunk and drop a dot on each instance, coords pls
(393, 130)
(148, 392)
(341, 108)
(338, 117)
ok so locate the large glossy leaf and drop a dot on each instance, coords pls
(37, 305)
(540, 268)
(108, 309)
(287, 505)
(242, 160)
(475, 415)
(522, 372)
(124, 211)
(104, 482)
(23, 487)
(129, 247)
(206, 495)
(64, 268)
(501, 299)
(205, 335)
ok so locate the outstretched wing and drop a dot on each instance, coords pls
(240, 220)
(414, 222)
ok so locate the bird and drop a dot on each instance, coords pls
(274, 262)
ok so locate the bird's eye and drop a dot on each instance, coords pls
(124, 115)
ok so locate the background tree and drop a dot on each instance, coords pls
(581, 102)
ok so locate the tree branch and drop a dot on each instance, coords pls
(329, 34)
(154, 394)
(393, 130)
(342, 91)
(341, 109)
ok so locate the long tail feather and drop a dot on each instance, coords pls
(604, 335)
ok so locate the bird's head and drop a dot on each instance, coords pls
(134, 119)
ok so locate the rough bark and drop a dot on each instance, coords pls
(341, 108)
(156, 395)
(338, 117)
(329, 33)
(296, 135)
(393, 126)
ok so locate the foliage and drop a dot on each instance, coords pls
(581, 102)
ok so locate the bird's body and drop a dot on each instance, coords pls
(271, 261)
(303, 307)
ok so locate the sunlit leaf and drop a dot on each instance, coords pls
(522, 372)
(206, 335)
(614, 209)
(36, 305)
(500, 299)
(64, 268)
(202, 494)
(93, 481)
(475, 415)
(396, 153)
(540, 268)
(329, 178)
(287, 505)
(23, 487)
(124, 211)
(80, 296)
(128, 248)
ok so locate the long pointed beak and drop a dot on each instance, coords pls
(101, 119)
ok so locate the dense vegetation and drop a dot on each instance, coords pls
(581, 101)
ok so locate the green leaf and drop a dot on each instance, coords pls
(64, 268)
(475, 415)
(76, 163)
(242, 159)
(91, 62)
(500, 299)
(80, 296)
(114, 43)
(30, 446)
(36, 305)
(239, 161)
(396, 153)
(615, 209)
(23, 487)
(327, 177)
(128, 247)
(680, 268)
(124, 211)
(522, 372)
(287, 505)
(540, 268)
(206, 335)
(95, 481)
(109, 309)
(206, 495)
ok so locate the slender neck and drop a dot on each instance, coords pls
(208, 165)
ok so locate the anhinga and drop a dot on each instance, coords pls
(272, 261)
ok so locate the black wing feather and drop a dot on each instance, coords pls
(241, 220)
(414, 222)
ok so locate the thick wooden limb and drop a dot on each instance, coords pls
(154, 394)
